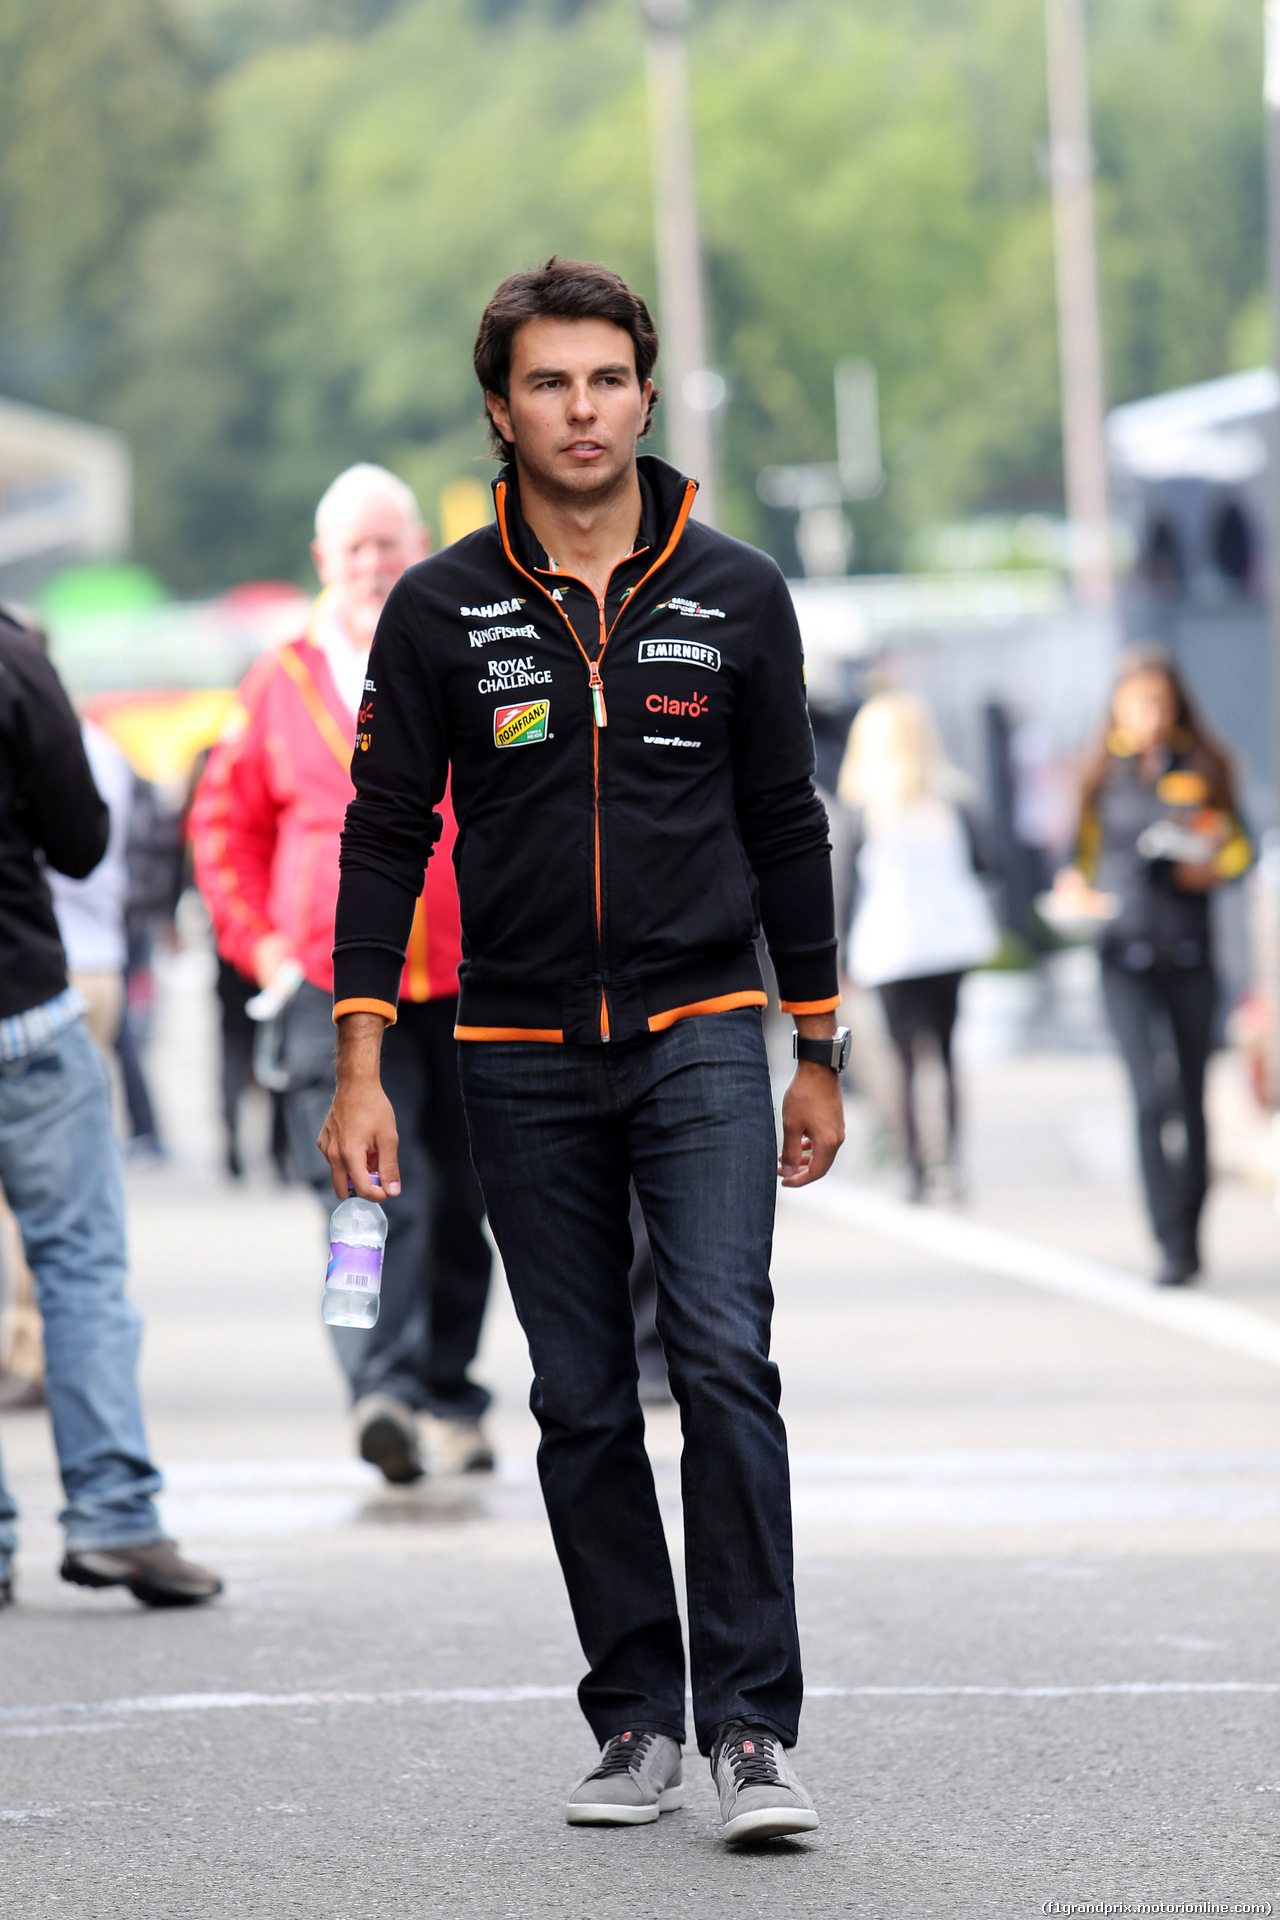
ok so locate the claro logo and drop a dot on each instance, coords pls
(694, 707)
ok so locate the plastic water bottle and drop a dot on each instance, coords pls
(352, 1283)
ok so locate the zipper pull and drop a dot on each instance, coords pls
(597, 695)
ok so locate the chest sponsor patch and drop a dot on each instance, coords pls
(691, 609)
(494, 610)
(508, 676)
(521, 726)
(485, 636)
(687, 653)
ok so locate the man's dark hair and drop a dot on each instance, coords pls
(561, 290)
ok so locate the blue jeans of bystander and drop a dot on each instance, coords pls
(60, 1166)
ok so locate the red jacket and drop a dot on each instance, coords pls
(266, 822)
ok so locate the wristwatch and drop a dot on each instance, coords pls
(832, 1052)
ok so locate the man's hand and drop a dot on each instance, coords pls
(269, 955)
(812, 1111)
(359, 1136)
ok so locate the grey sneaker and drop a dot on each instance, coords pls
(760, 1796)
(387, 1431)
(155, 1574)
(639, 1777)
(457, 1446)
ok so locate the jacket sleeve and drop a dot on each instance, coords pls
(66, 816)
(780, 817)
(398, 769)
(233, 825)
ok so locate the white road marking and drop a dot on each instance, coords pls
(17, 1720)
(1196, 1316)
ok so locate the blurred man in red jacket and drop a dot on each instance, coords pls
(265, 829)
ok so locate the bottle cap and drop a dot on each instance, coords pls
(373, 1182)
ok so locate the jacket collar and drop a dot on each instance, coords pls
(662, 495)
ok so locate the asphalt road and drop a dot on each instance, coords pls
(1037, 1548)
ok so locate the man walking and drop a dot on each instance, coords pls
(619, 693)
(60, 1164)
(265, 831)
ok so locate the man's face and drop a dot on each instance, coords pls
(361, 556)
(576, 406)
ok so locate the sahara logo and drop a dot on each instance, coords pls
(493, 612)
(521, 726)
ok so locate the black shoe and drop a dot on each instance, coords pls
(6, 1591)
(1178, 1269)
(388, 1438)
(155, 1574)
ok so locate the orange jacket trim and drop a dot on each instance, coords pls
(810, 1006)
(314, 702)
(723, 1003)
(384, 1007)
(417, 955)
(552, 1034)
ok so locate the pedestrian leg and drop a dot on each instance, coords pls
(704, 1157)
(1192, 1000)
(61, 1170)
(1136, 1015)
(550, 1149)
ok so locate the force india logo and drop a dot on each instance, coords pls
(521, 726)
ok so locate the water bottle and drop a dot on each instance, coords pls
(357, 1235)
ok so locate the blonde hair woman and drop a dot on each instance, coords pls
(921, 917)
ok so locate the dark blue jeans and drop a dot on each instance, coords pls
(557, 1133)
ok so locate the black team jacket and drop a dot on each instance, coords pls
(50, 811)
(633, 783)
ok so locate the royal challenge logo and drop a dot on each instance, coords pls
(521, 726)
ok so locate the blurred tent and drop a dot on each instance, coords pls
(65, 493)
(163, 734)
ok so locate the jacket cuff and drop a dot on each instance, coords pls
(807, 981)
(366, 974)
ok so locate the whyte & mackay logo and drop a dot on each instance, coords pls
(521, 726)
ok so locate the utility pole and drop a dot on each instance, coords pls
(1268, 900)
(691, 392)
(1079, 317)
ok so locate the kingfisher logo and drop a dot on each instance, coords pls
(521, 726)
(680, 653)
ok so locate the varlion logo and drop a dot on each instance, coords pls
(688, 653)
(521, 726)
(494, 612)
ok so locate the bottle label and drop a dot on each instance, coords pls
(354, 1267)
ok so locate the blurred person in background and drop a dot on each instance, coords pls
(60, 1162)
(920, 915)
(1159, 831)
(265, 834)
(154, 857)
(90, 911)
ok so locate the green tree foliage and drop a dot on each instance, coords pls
(257, 234)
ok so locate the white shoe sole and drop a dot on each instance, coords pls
(770, 1823)
(604, 1813)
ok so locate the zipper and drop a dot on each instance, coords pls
(599, 712)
